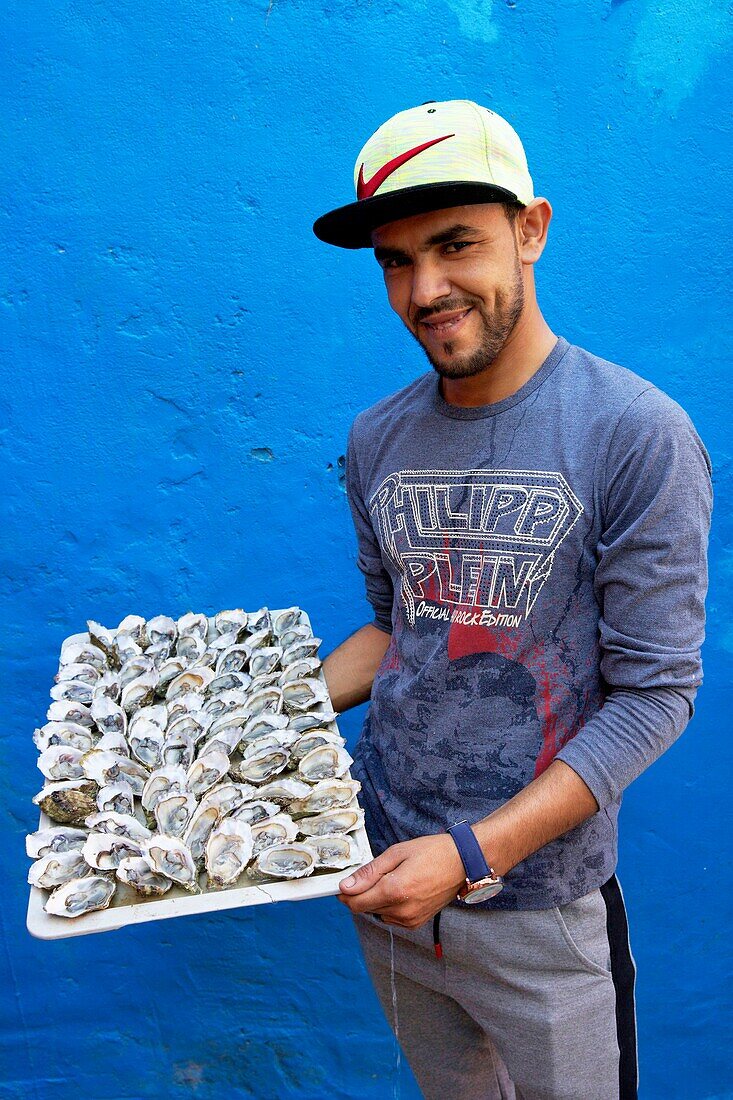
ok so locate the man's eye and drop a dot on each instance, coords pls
(391, 264)
(458, 244)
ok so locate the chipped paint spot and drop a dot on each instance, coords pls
(475, 19)
(262, 454)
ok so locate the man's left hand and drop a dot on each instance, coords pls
(408, 883)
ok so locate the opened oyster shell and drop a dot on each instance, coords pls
(81, 895)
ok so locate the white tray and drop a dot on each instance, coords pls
(128, 907)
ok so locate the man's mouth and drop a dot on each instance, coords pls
(444, 323)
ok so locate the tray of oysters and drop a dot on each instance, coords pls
(189, 765)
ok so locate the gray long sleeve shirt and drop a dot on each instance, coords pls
(540, 564)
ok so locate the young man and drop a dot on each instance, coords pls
(532, 525)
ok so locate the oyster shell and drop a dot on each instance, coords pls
(228, 796)
(291, 860)
(108, 767)
(56, 868)
(84, 674)
(327, 794)
(82, 651)
(286, 620)
(203, 821)
(332, 821)
(276, 830)
(313, 739)
(103, 851)
(299, 670)
(228, 851)
(303, 647)
(61, 838)
(178, 749)
(161, 630)
(193, 624)
(256, 810)
(206, 771)
(67, 711)
(113, 742)
(261, 767)
(69, 802)
(61, 762)
(134, 871)
(146, 741)
(72, 691)
(140, 692)
(337, 850)
(125, 825)
(171, 778)
(324, 762)
(63, 733)
(268, 700)
(171, 857)
(81, 895)
(117, 797)
(302, 695)
(173, 812)
(193, 679)
(285, 790)
(233, 659)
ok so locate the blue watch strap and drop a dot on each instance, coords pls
(470, 852)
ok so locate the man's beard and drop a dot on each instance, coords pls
(496, 329)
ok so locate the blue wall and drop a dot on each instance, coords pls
(181, 362)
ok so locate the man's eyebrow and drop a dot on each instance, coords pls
(452, 233)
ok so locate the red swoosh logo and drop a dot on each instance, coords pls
(366, 188)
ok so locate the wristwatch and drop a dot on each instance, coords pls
(482, 882)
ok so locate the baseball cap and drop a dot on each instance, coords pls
(454, 153)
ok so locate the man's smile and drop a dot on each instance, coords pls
(445, 323)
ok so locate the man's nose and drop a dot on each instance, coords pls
(429, 283)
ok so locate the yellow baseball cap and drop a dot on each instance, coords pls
(455, 153)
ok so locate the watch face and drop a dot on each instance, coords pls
(483, 893)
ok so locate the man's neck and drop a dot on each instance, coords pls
(522, 356)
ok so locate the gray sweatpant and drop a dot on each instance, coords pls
(524, 1005)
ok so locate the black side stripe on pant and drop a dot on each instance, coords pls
(624, 976)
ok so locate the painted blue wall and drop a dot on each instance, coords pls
(181, 362)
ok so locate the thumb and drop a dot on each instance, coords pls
(370, 874)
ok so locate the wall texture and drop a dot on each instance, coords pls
(181, 361)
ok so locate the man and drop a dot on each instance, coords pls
(532, 524)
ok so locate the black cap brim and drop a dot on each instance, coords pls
(351, 226)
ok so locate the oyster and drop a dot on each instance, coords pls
(81, 673)
(228, 681)
(173, 812)
(228, 796)
(56, 868)
(81, 895)
(192, 680)
(161, 631)
(134, 871)
(279, 830)
(178, 749)
(194, 625)
(108, 767)
(139, 693)
(69, 802)
(199, 828)
(67, 711)
(172, 858)
(157, 713)
(108, 686)
(232, 659)
(170, 668)
(135, 667)
(146, 741)
(327, 794)
(269, 700)
(61, 838)
(263, 723)
(63, 733)
(285, 790)
(301, 695)
(291, 860)
(319, 719)
(117, 797)
(286, 620)
(332, 821)
(134, 625)
(228, 621)
(265, 660)
(72, 691)
(113, 742)
(257, 810)
(127, 825)
(103, 851)
(82, 651)
(228, 851)
(314, 739)
(61, 762)
(324, 762)
(100, 637)
(302, 647)
(335, 850)
(172, 778)
(299, 670)
(260, 622)
(261, 767)
(206, 771)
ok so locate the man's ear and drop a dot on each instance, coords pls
(532, 225)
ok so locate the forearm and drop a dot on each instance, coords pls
(351, 668)
(549, 806)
